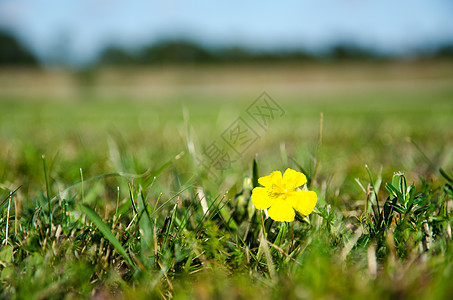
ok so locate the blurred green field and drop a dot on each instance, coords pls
(370, 113)
(391, 117)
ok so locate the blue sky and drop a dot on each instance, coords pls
(83, 27)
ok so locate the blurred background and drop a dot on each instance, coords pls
(150, 49)
(161, 77)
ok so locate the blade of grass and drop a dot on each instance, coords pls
(186, 216)
(94, 217)
(255, 174)
(446, 175)
(428, 160)
(205, 213)
(267, 255)
(284, 156)
(10, 194)
(303, 170)
(81, 181)
(171, 198)
(117, 201)
(162, 168)
(5, 241)
(373, 185)
(47, 187)
(132, 198)
(85, 180)
(318, 152)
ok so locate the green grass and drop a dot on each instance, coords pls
(128, 197)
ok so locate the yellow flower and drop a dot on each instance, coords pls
(279, 194)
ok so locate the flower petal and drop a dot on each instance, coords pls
(303, 201)
(281, 211)
(271, 179)
(293, 179)
(260, 198)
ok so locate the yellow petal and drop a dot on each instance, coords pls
(303, 201)
(293, 179)
(271, 179)
(281, 211)
(261, 199)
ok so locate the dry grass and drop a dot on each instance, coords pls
(156, 83)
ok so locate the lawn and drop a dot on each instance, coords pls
(111, 184)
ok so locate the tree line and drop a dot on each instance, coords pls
(14, 53)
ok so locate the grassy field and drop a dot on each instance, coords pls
(105, 194)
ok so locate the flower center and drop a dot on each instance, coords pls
(278, 191)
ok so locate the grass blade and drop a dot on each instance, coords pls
(157, 172)
(318, 150)
(10, 194)
(255, 175)
(446, 175)
(47, 187)
(94, 217)
(303, 170)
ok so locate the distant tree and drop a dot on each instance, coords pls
(298, 56)
(13, 53)
(444, 51)
(179, 52)
(114, 55)
(175, 52)
(236, 54)
(346, 51)
(243, 55)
